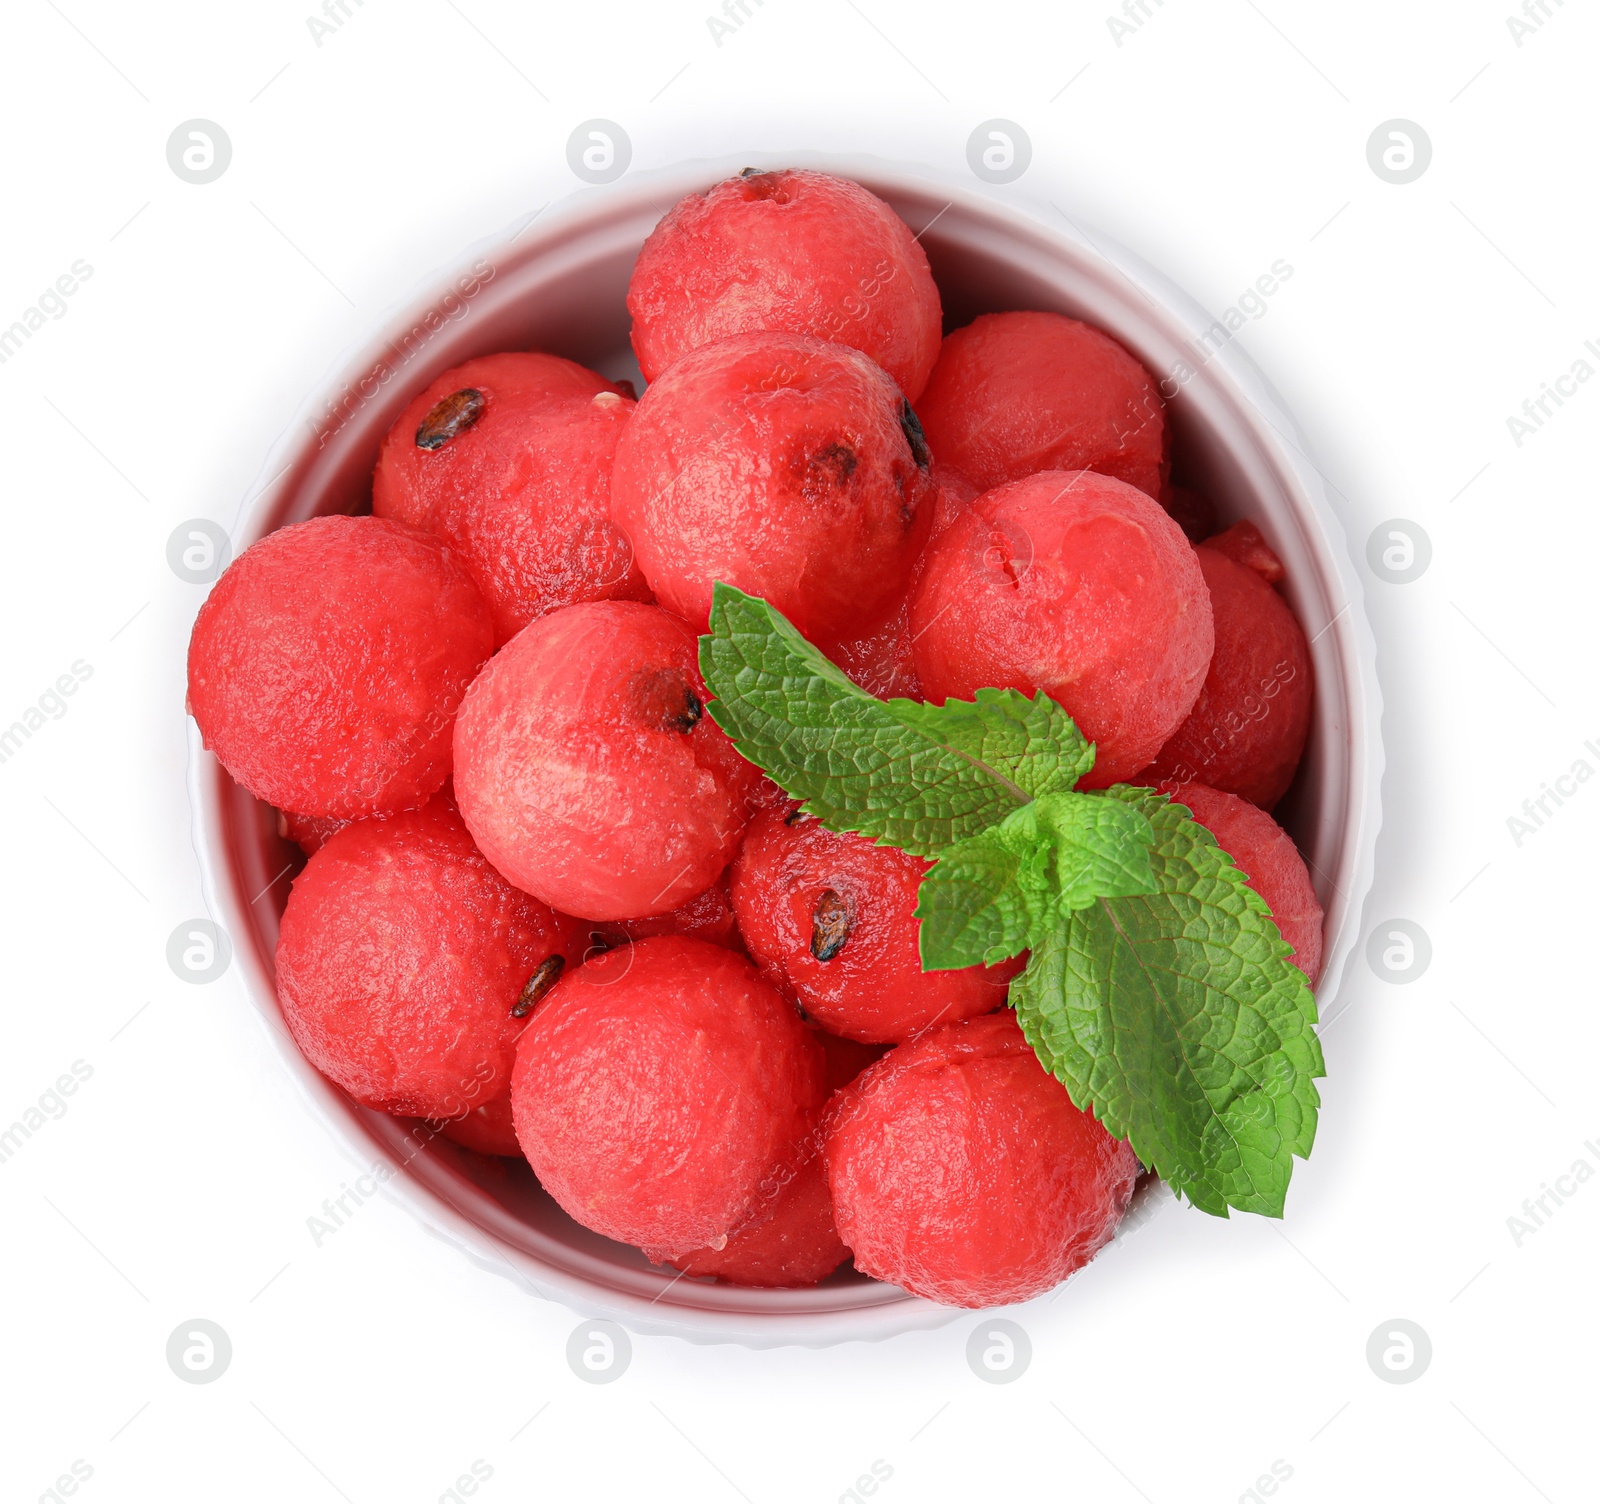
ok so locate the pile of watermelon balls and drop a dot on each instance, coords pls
(549, 905)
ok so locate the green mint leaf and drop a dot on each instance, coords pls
(1033, 743)
(1179, 1020)
(920, 777)
(998, 892)
(1101, 849)
(972, 908)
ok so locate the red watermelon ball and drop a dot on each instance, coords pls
(658, 1086)
(486, 1128)
(961, 1171)
(587, 770)
(784, 465)
(878, 657)
(1244, 544)
(1263, 850)
(1079, 585)
(1250, 723)
(794, 251)
(401, 957)
(327, 663)
(308, 832)
(845, 1059)
(508, 459)
(829, 919)
(1014, 393)
(788, 1242)
(1190, 509)
(706, 916)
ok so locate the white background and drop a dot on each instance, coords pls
(1219, 136)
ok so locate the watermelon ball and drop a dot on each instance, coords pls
(1191, 510)
(1014, 393)
(706, 916)
(403, 961)
(955, 494)
(879, 658)
(1244, 544)
(588, 771)
(486, 1128)
(784, 465)
(845, 1059)
(828, 917)
(1249, 725)
(789, 1242)
(508, 459)
(658, 1087)
(1270, 861)
(1079, 585)
(961, 1171)
(327, 663)
(308, 832)
(796, 252)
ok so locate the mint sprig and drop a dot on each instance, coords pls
(920, 777)
(1178, 1020)
(999, 892)
(1158, 989)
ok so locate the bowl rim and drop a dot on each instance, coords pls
(427, 1184)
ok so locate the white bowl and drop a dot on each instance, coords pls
(558, 285)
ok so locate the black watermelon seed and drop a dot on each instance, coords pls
(830, 925)
(450, 416)
(543, 979)
(911, 427)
